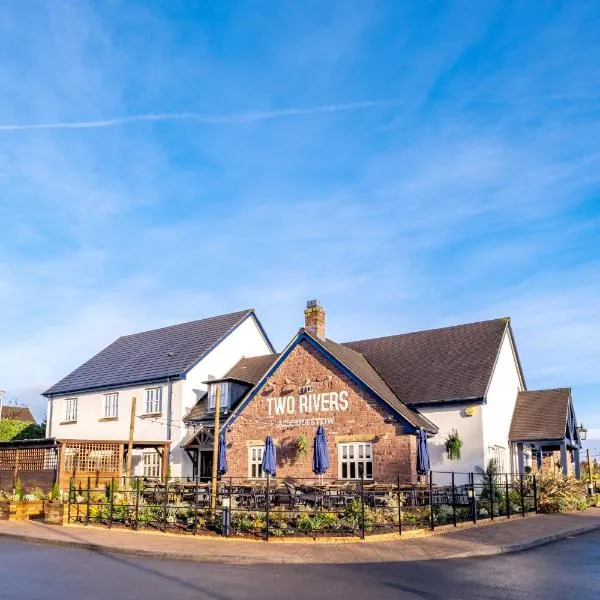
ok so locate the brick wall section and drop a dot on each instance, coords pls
(394, 450)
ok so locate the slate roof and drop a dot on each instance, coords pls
(540, 415)
(360, 366)
(17, 413)
(437, 365)
(251, 369)
(151, 355)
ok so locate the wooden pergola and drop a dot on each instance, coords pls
(44, 462)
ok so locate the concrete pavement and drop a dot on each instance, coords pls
(489, 539)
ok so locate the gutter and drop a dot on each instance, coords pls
(169, 407)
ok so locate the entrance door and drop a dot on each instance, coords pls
(206, 462)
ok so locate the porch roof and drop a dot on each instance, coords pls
(541, 415)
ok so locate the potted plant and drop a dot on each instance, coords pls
(54, 507)
(301, 446)
(453, 445)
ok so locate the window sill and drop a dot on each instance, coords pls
(103, 419)
(67, 422)
(150, 415)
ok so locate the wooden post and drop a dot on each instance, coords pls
(215, 465)
(16, 472)
(165, 462)
(130, 443)
(590, 467)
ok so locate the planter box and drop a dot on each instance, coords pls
(21, 510)
(54, 512)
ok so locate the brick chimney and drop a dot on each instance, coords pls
(314, 319)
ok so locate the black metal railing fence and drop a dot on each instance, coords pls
(276, 507)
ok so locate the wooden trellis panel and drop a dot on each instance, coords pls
(28, 459)
(92, 456)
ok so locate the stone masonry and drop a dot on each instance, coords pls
(306, 369)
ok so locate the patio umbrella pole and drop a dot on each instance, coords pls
(215, 464)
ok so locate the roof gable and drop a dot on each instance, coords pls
(543, 415)
(16, 413)
(437, 365)
(352, 364)
(155, 355)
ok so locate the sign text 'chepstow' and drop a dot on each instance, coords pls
(308, 403)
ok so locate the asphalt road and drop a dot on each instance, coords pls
(566, 569)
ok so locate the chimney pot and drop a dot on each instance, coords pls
(314, 319)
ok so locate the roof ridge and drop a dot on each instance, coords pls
(556, 389)
(406, 333)
(237, 312)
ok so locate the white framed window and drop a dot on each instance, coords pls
(212, 395)
(151, 464)
(355, 460)
(70, 405)
(111, 406)
(153, 401)
(255, 457)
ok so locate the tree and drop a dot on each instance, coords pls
(20, 430)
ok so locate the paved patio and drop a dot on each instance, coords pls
(484, 540)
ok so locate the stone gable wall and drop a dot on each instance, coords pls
(394, 450)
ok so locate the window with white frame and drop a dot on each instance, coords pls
(111, 406)
(255, 457)
(355, 460)
(153, 402)
(70, 406)
(212, 395)
(151, 464)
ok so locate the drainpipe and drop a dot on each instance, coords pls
(49, 417)
(169, 407)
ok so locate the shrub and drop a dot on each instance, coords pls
(557, 493)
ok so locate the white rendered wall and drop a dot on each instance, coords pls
(90, 412)
(501, 399)
(470, 431)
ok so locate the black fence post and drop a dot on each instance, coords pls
(195, 528)
(87, 509)
(165, 505)
(69, 500)
(137, 502)
(522, 496)
(362, 505)
(112, 502)
(399, 509)
(492, 490)
(230, 496)
(453, 500)
(268, 501)
(507, 501)
(473, 497)
(535, 498)
(431, 515)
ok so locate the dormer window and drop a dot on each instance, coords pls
(225, 401)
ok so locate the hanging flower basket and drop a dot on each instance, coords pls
(453, 445)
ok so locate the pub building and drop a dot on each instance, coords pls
(374, 398)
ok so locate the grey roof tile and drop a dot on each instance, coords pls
(437, 365)
(151, 355)
(540, 415)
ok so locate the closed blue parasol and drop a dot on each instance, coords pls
(222, 456)
(269, 460)
(422, 453)
(320, 462)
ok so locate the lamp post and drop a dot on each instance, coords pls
(582, 431)
(2, 396)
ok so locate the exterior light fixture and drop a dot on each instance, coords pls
(582, 431)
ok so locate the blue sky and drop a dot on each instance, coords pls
(410, 164)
